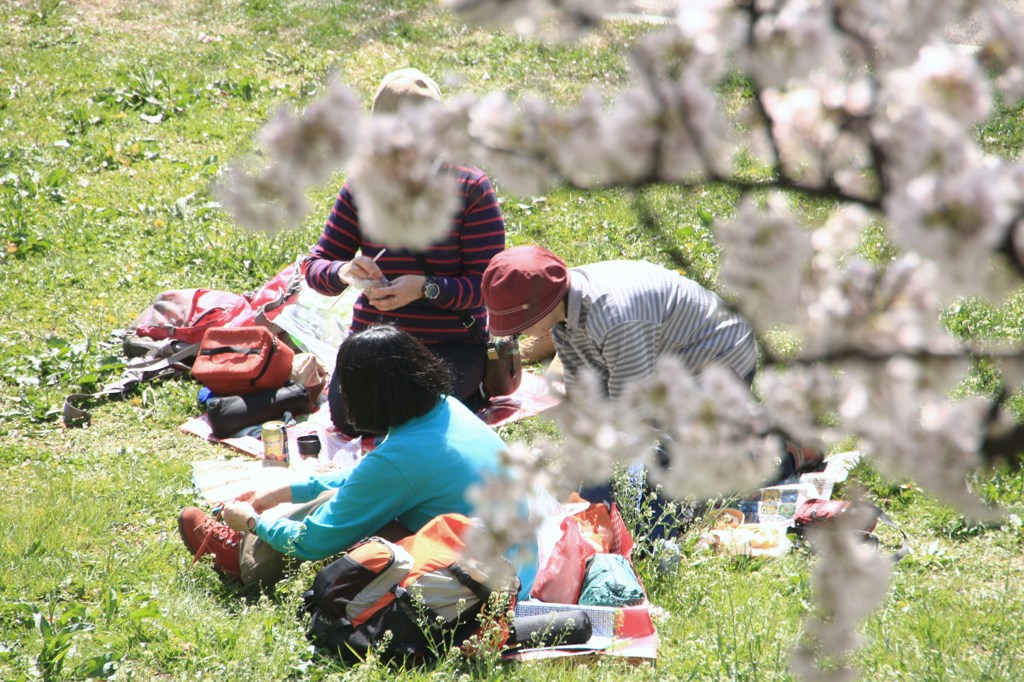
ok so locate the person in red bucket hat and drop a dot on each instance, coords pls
(616, 318)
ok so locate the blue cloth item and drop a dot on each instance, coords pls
(610, 581)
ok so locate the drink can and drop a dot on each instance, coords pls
(275, 444)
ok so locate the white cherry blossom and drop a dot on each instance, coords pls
(860, 103)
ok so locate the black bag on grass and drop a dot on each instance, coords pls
(232, 413)
(408, 600)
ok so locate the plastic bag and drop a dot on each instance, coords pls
(318, 324)
(587, 532)
(595, 525)
(561, 578)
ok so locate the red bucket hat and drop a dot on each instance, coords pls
(520, 286)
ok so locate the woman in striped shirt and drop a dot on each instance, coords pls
(434, 294)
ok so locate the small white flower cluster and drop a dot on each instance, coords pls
(849, 583)
(911, 430)
(262, 200)
(317, 143)
(765, 262)
(791, 42)
(948, 201)
(874, 309)
(1003, 50)
(667, 127)
(596, 437)
(405, 196)
(706, 425)
(801, 399)
(305, 149)
(713, 432)
(898, 29)
(899, 412)
(843, 302)
(502, 504)
(809, 126)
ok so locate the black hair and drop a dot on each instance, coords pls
(388, 377)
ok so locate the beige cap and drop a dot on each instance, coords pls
(403, 88)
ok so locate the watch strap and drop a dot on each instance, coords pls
(468, 321)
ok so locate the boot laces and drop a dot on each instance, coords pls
(222, 533)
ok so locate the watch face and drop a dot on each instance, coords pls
(431, 290)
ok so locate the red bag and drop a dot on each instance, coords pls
(269, 300)
(240, 360)
(186, 314)
(561, 577)
(817, 512)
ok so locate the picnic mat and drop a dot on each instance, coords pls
(626, 632)
(757, 525)
(216, 480)
(533, 397)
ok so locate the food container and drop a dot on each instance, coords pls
(308, 445)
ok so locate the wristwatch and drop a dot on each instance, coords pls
(431, 289)
(250, 523)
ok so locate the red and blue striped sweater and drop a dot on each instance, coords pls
(458, 261)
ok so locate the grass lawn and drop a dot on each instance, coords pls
(115, 118)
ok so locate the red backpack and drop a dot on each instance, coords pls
(163, 340)
(186, 314)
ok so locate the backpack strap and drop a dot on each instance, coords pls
(133, 375)
(476, 587)
(283, 297)
(905, 547)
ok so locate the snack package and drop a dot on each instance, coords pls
(748, 539)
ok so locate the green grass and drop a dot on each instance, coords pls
(115, 118)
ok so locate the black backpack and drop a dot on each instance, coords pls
(409, 600)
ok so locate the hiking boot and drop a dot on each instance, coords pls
(204, 535)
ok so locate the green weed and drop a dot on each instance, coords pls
(45, 12)
(151, 93)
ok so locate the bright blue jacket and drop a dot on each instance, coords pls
(420, 470)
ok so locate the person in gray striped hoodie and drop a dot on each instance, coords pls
(616, 318)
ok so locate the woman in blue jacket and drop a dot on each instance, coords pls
(433, 450)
